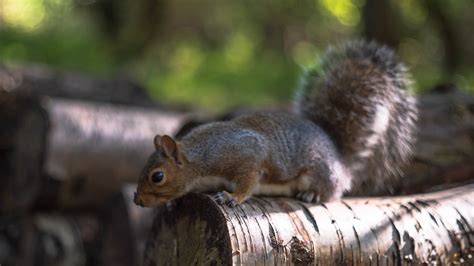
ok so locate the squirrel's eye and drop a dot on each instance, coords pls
(157, 176)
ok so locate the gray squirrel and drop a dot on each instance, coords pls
(353, 124)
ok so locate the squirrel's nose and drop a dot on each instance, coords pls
(136, 200)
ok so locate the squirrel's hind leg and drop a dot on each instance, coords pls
(320, 194)
(307, 196)
(323, 184)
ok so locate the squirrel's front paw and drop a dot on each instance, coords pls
(307, 196)
(224, 197)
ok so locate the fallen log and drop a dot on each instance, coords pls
(114, 235)
(16, 234)
(49, 239)
(94, 149)
(444, 153)
(433, 228)
(38, 80)
(73, 153)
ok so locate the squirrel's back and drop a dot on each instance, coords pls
(360, 97)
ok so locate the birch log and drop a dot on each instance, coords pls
(73, 153)
(94, 149)
(426, 228)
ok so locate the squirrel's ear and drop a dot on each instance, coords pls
(169, 146)
(157, 141)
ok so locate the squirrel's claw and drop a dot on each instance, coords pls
(307, 196)
(224, 197)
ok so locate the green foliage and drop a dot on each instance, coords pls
(237, 73)
(60, 37)
(57, 48)
(217, 54)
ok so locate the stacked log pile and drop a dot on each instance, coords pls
(72, 146)
(68, 151)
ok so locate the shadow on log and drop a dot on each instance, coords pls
(73, 153)
(427, 228)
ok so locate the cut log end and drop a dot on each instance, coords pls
(23, 141)
(191, 232)
(125, 229)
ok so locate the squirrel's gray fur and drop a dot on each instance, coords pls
(279, 146)
(360, 97)
(353, 127)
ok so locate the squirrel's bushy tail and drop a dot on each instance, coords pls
(360, 96)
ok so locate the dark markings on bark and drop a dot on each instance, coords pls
(433, 218)
(347, 205)
(469, 231)
(413, 205)
(408, 249)
(310, 217)
(340, 235)
(403, 206)
(358, 244)
(301, 254)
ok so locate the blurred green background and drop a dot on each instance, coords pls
(221, 54)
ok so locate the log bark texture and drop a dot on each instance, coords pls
(427, 228)
(73, 153)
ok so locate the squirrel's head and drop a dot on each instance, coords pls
(164, 177)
